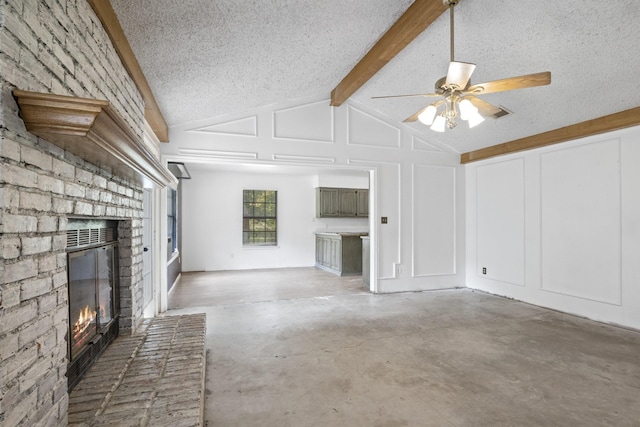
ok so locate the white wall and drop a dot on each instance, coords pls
(212, 220)
(560, 226)
(421, 246)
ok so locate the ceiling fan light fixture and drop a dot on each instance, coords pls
(475, 119)
(439, 124)
(466, 109)
(428, 115)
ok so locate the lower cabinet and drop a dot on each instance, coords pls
(339, 253)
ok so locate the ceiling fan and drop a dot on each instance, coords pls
(458, 95)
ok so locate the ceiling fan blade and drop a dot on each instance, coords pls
(459, 74)
(486, 109)
(401, 96)
(511, 83)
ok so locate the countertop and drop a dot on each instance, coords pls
(344, 233)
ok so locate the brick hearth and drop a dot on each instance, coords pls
(154, 377)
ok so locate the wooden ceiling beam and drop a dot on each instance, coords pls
(112, 26)
(413, 22)
(611, 122)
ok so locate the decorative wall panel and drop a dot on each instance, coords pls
(580, 221)
(420, 145)
(500, 219)
(434, 213)
(365, 129)
(308, 122)
(217, 154)
(247, 126)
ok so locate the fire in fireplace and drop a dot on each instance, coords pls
(92, 269)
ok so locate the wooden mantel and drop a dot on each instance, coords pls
(92, 130)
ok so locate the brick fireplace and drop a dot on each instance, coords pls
(88, 160)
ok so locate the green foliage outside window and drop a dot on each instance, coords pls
(259, 212)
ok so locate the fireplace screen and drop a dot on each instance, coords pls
(92, 294)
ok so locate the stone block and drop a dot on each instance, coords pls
(29, 334)
(106, 197)
(64, 169)
(47, 264)
(9, 295)
(20, 176)
(59, 279)
(112, 186)
(8, 346)
(99, 210)
(64, 58)
(20, 270)
(92, 194)
(62, 206)
(47, 224)
(35, 245)
(19, 223)
(34, 373)
(9, 196)
(83, 176)
(11, 247)
(32, 156)
(47, 303)
(35, 201)
(74, 190)
(99, 181)
(17, 316)
(59, 242)
(83, 208)
(50, 184)
(34, 288)
(9, 149)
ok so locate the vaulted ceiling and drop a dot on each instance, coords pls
(207, 58)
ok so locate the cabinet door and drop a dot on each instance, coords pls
(319, 250)
(336, 254)
(327, 202)
(363, 203)
(348, 202)
(327, 251)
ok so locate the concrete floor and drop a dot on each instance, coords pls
(439, 358)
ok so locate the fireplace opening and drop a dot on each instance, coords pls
(92, 269)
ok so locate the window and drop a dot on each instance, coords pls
(259, 222)
(172, 221)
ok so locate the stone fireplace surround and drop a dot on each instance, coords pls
(59, 47)
(47, 183)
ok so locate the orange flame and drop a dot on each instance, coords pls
(86, 317)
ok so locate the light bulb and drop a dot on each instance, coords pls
(475, 119)
(467, 109)
(428, 115)
(438, 124)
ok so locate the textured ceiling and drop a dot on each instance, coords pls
(205, 58)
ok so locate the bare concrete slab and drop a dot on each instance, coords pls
(153, 378)
(440, 358)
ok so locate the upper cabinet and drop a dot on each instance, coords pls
(342, 202)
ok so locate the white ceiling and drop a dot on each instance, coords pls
(207, 58)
